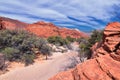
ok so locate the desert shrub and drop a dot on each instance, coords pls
(11, 53)
(83, 51)
(82, 39)
(45, 49)
(96, 36)
(28, 58)
(86, 44)
(70, 39)
(18, 45)
(57, 40)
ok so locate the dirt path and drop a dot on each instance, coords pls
(41, 71)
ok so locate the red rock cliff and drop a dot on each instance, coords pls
(105, 64)
(7, 23)
(41, 29)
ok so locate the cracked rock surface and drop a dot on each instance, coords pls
(105, 61)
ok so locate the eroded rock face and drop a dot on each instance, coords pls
(101, 68)
(111, 41)
(105, 62)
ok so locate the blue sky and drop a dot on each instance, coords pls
(85, 15)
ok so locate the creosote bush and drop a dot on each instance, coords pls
(18, 45)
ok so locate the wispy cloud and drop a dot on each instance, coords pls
(81, 14)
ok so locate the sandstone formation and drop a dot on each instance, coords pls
(111, 41)
(7, 23)
(105, 62)
(41, 29)
(64, 32)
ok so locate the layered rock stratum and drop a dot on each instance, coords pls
(105, 61)
(41, 29)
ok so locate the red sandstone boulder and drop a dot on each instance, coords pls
(101, 68)
(105, 62)
(111, 41)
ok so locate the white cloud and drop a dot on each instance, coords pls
(59, 10)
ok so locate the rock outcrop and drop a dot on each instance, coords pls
(111, 41)
(41, 29)
(7, 23)
(105, 62)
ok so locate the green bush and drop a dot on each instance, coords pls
(46, 49)
(11, 53)
(70, 39)
(57, 40)
(86, 44)
(96, 36)
(18, 45)
(28, 58)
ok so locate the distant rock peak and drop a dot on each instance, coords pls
(40, 28)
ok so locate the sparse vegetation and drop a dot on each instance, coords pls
(86, 44)
(96, 36)
(18, 45)
(57, 40)
(45, 50)
(70, 39)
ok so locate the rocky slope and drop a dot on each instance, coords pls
(7, 23)
(41, 29)
(105, 62)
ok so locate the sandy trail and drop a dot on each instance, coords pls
(41, 71)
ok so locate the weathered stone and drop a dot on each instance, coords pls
(105, 62)
(110, 43)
